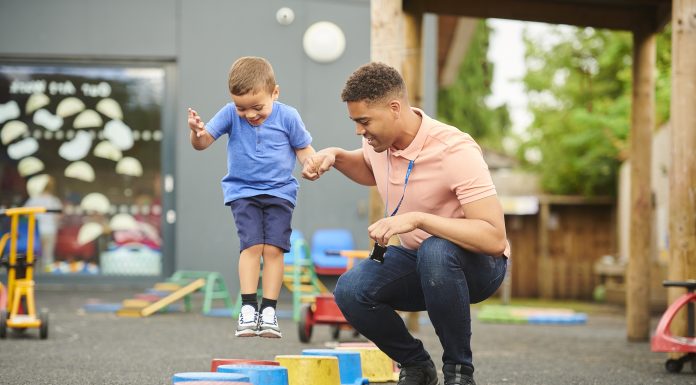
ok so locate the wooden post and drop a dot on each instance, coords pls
(642, 125)
(682, 172)
(545, 273)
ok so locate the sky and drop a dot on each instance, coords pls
(506, 51)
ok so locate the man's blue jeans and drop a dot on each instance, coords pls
(439, 277)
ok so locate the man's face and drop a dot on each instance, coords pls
(374, 122)
(255, 107)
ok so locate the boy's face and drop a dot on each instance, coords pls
(255, 107)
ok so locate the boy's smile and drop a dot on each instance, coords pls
(255, 107)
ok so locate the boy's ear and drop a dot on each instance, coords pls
(276, 92)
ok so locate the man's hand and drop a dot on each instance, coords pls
(385, 228)
(195, 123)
(316, 165)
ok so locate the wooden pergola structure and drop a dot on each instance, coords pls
(396, 40)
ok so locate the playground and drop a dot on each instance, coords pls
(102, 348)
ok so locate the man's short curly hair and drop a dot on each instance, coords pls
(373, 82)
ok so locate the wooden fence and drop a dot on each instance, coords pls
(554, 251)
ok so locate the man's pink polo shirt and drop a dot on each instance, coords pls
(448, 172)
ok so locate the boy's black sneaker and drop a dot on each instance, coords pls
(418, 373)
(457, 374)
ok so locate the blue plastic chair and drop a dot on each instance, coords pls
(331, 240)
(289, 257)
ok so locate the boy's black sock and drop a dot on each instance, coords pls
(265, 302)
(250, 299)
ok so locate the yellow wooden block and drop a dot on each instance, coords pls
(310, 370)
(376, 365)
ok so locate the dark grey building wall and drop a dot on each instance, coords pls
(199, 40)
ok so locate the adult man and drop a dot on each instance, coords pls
(440, 201)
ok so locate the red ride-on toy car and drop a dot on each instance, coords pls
(323, 310)
(664, 341)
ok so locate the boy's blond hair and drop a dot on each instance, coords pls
(251, 74)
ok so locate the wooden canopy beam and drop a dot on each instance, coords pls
(621, 15)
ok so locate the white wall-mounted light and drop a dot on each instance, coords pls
(285, 16)
(324, 42)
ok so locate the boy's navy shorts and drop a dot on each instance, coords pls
(263, 219)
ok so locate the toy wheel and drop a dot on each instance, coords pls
(306, 322)
(3, 324)
(43, 329)
(673, 366)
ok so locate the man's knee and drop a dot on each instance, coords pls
(438, 249)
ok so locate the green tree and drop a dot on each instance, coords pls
(463, 103)
(579, 86)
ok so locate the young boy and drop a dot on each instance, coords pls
(265, 138)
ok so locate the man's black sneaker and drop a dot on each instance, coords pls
(457, 374)
(418, 373)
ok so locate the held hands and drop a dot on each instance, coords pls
(195, 123)
(385, 228)
(316, 165)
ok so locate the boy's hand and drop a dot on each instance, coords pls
(317, 164)
(195, 123)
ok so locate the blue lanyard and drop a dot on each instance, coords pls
(408, 173)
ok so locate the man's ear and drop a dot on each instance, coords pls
(395, 108)
(276, 92)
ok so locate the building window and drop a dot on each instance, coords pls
(91, 137)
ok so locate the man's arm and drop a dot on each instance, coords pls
(200, 137)
(350, 163)
(482, 231)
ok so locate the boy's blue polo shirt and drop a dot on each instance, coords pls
(260, 160)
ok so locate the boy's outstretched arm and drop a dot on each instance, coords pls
(200, 138)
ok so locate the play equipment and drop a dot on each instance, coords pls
(323, 240)
(310, 370)
(259, 374)
(664, 341)
(376, 365)
(323, 309)
(179, 286)
(20, 273)
(349, 366)
(238, 361)
(530, 315)
(227, 378)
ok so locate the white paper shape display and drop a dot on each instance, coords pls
(80, 170)
(51, 122)
(95, 202)
(36, 101)
(110, 108)
(119, 134)
(123, 222)
(29, 166)
(69, 106)
(37, 184)
(23, 148)
(88, 118)
(13, 130)
(77, 148)
(89, 232)
(9, 111)
(107, 150)
(129, 166)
